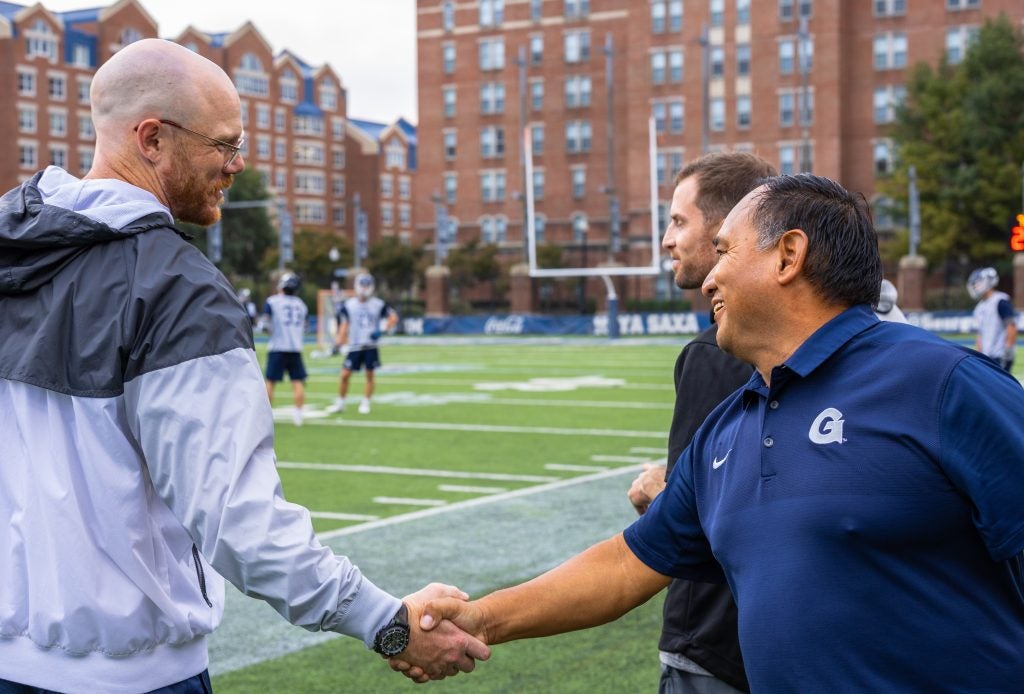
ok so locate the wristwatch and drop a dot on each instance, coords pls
(393, 637)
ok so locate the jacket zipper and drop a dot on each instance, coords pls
(201, 575)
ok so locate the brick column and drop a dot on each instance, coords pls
(910, 283)
(1018, 281)
(522, 293)
(437, 291)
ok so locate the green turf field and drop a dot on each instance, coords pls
(483, 463)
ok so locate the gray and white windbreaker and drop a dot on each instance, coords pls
(136, 452)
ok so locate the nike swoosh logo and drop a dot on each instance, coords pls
(716, 463)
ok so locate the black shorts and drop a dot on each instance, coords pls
(279, 362)
(370, 358)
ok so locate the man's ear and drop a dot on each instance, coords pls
(792, 254)
(149, 140)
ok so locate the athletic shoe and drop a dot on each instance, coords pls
(364, 407)
(297, 417)
(337, 407)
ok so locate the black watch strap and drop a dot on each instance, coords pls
(393, 637)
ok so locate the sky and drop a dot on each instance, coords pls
(371, 44)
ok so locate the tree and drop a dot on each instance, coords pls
(962, 128)
(472, 263)
(311, 251)
(393, 264)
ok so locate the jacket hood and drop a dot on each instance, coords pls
(52, 217)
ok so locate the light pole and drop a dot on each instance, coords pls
(614, 237)
(440, 229)
(583, 280)
(805, 96)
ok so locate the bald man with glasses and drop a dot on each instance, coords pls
(136, 463)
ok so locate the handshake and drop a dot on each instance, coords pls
(439, 647)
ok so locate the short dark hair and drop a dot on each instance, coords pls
(843, 262)
(723, 179)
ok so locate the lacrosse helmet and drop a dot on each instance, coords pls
(981, 280)
(886, 297)
(364, 285)
(289, 283)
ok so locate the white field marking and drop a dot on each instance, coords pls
(405, 501)
(330, 515)
(461, 489)
(478, 501)
(620, 458)
(417, 472)
(552, 385)
(646, 449)
(489, 428)
(468, 383)
(414, 399)
(566, 467)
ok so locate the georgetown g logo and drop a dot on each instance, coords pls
(827, 427)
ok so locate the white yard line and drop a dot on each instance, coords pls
(489, 428)
(566, 467)
(418, 472)
(462, 489)
(330, 515)
(407, 501)
(620, 458)
(645, 449)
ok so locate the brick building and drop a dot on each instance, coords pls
(791, 80)
(297, 132)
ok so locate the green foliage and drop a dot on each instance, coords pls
(962, 127)
(473, 263)
(394, 265)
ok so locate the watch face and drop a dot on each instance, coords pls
(392, 640)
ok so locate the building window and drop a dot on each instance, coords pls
(576, 9)
(85, 129)
(308, 153)
(658, 112)
(328, 95)
(57, 88)
(577, 46)
(658, 16)
(787, 159)
(658, 62)
(743, 112)
(81, 56)
(84, 84)
(59, 157)
(579, 182)
(394, 155)
(883, 157)
(577, 91)
(675, 65)
(449, 144)
(448, 58)
(451, 187)
(338, 128)
(717, 62)
(492, 186)
(717, 114)
(308, 125)
(786, 109)
(281, 179)
(491, 12)
(404, 187)
(577, 136)
(26, 156)
(311, 212)
(492, 142)
(448, 98)
(535, 10)
(890, 8)
(58, 123)
(492, 98)
(289, 85)
(492, 53)
(539, 224)
(404, 216)
(675, 117)
(84, 159)
(742, 59)
(338, 214)
(956, 5)
(448, 15)
(536, 49)
(41, 42)
(26, 83)
(886, 100)
(742, 12)
(493, 229)
(26, 119)
(957, 40)
(537, 138)
(309, 183)
(281, 150)
(263, 116)
(538, 184)
(280, 123)
(717, 11)
(338, 186)
(579, 228)
(536, 95)
(250, 79)
(890, 50)
(387, 215)
(338, 158)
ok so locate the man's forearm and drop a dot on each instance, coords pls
(592, 588)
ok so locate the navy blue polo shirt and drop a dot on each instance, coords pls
(868, 512)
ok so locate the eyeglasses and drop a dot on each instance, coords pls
(226, 148)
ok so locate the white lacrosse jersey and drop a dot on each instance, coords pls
(287, 322)
(363, 319)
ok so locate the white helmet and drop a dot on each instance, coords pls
(981, 280)
(886, 297)
(289, 283)
(364, 285)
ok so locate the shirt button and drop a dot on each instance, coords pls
(774, 404)
(769, 442)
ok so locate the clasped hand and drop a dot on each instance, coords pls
(440, 649)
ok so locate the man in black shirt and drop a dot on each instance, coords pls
(699, 646)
